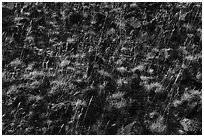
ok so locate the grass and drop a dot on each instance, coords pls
(101, 68)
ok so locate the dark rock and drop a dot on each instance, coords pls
(75, 18)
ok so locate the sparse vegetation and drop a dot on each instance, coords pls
(101, 68)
